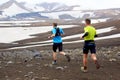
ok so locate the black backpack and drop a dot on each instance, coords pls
(57, 32)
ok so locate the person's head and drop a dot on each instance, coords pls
(87, 21)
(54, 25)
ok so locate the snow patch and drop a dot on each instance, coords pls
(77, 8)
(12, 34)
(100, 38)
(34, 21)
(97, 20)
(99, 31)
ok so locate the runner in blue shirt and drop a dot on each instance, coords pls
(57, 42)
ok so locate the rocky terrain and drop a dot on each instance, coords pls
(33, 64)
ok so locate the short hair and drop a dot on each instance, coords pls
(88, 21)
(55, 24)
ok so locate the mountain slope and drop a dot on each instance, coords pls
(54, 10)
(82, 14)
(12, 7)
(56, 7)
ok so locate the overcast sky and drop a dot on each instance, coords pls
(89, 4)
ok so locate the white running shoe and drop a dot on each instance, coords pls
(84, 70)
(54, 63)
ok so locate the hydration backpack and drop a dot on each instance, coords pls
(58, 32)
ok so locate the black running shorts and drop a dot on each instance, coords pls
(89, 46)
(58, 46)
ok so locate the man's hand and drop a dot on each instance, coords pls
(49, 37)
(53, 35)
(81, 37)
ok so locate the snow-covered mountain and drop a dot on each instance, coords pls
(82, 14)
(12, 7)
(71, 14)
(51, 7)
(57, 7)
(18, 10)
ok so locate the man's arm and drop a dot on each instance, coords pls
(62, 32)
(51, 36)
(53, 32)
(85, 34)
(96, 35)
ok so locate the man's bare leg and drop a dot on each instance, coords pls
(67, 56)
(93, 56)
(62, 53)
(85, 61)
(84, 68)
(54, 58)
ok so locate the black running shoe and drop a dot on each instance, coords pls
(68, 58)
(97, 66)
